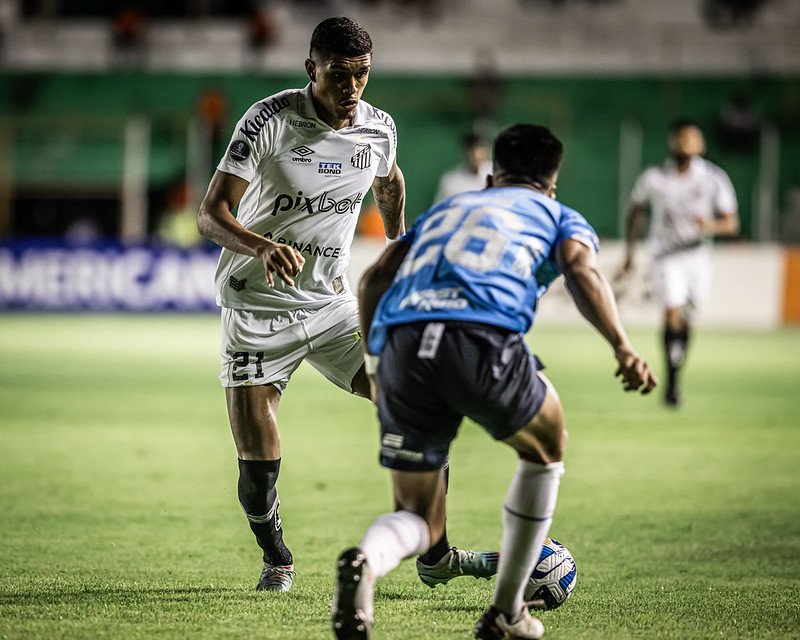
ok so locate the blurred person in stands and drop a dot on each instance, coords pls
(128, 35)
(486, 91)
(298, 167)
(690, 200)
(177, 225)
(471, 174)
(212, 108)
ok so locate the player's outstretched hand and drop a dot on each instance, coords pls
(282, 260)
(634, 371)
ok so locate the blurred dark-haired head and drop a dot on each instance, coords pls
(685, 140)
(473, 140)
(527, 154)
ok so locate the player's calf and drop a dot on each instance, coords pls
(259, 499)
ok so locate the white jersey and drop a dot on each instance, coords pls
(461, 179)
(307, 183)
(676, 200)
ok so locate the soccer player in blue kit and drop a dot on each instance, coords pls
(446, 308)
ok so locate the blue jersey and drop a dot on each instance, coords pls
(481, 256)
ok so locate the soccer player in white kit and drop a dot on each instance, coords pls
(298, 166)
(690, 201)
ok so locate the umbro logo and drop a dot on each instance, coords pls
(301, 152)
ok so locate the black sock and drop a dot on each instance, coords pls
(259, 499)
(436, 552)
(675, 344)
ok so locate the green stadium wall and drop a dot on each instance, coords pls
(67, 127)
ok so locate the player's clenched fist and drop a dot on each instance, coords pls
(634, 371)
(281, 259)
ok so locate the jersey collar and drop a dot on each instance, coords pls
(305, 108)
(695, 165)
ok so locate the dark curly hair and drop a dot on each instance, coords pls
(527, 154)
(340, 36)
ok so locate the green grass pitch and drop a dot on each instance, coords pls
(119, 517)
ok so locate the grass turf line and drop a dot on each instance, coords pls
(120, 517)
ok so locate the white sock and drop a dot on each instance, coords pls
(393, 537)
(390, 539)
(527, 513)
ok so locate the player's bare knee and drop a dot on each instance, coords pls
(543, 439)
(548, 426)
(540, 443)
(675, 318)
(252, 413)
(360, 384)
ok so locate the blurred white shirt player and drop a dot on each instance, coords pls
(469, 176)
(690, 200)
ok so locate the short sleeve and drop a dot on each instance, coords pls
(573, 226)
(250, 142)
(641, 192)
(389, 154)
(442, 190)
(725, 199)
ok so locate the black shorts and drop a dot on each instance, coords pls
(432, 374)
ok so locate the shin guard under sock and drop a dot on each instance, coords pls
(259, 499)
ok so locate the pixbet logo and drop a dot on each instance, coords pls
(316, 204)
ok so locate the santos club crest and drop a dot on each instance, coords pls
(362, 156)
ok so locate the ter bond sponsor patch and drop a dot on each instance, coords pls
(330, 168)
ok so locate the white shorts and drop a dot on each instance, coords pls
(266, 347)
(683, 278)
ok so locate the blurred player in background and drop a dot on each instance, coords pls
(177, 225)
(690, 200)
(471, 174)
(298, 167)
(446, 308)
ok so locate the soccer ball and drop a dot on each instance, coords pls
(553, 578)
